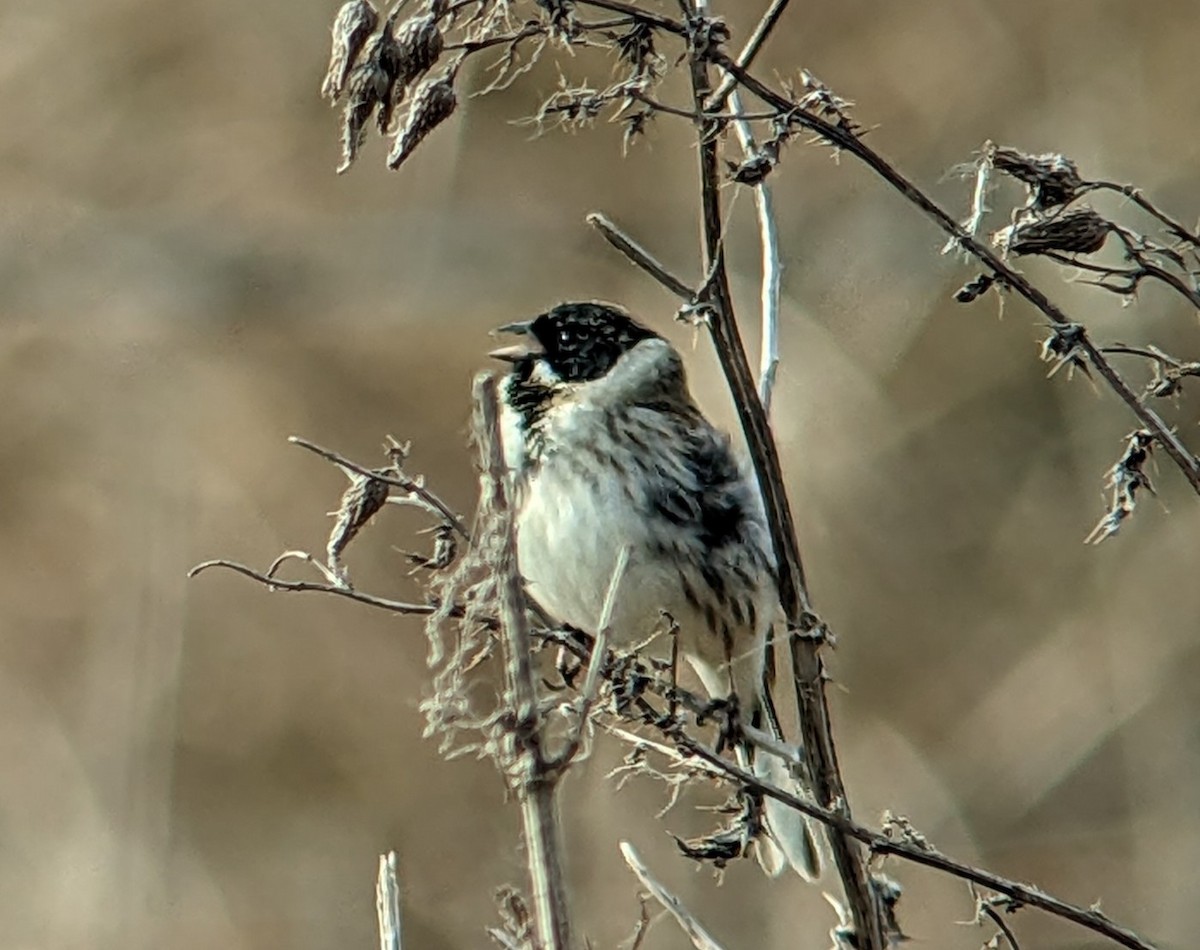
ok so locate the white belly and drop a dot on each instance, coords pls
(568, 541)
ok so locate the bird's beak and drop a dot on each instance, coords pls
(518, 351)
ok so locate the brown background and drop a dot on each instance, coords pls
(184, 282)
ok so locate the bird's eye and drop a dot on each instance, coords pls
(566, 336)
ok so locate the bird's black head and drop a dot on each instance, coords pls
(582, 341)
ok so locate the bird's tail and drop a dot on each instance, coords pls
(787, 837)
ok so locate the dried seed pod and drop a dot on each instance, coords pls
(356, 20)
(1074, 232)
(417, 46)
(366, 89)
(974, 289)
(432, 104)
(360, 502)
(371, 84)
(1052, 179)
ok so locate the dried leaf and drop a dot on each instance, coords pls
(1052, 179)
(418, 44)
(356, 20)
(432, 104)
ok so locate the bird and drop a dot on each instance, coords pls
(607, 452)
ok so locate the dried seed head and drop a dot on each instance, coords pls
(417, 46)
(1081, 231)
(432, 104)
(360, 502)
(1052, 179)
(367, 88)
(356, 20)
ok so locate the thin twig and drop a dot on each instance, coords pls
(274, 583)
(406, 484)
(768, 236)
(639, 255)
(1018, 893)
(1135, 195)
(640, 14)
(591, 682)
(746, 57)
(701, 939)
(984, 906)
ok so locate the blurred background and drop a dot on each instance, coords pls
(184, 283)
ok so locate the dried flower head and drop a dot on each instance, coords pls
(432, 104)
(372, 84)
(367, 88)
(1052, 179)
(356, 20)
(360, 502)
(418, 44)
(1081, 231)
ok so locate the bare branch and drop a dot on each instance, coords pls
(808, 672)
(1135, 195)
(701, 939)
(274, 583)
(768, 236)
(387, 903)
(921, 853)
(533, 774)
(639, 256)
(746, 57)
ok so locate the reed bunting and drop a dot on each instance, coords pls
(607, 450)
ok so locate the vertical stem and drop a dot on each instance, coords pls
(533, 776)
(768, 235)
(807, 666)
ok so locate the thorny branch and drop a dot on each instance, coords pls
(634, 690)
(532, 770)
(808, 671)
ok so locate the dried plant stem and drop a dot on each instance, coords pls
(274, 583)
(807, 666)
(387, 903)
(1019, 894)
(768, 235)
(1135, 195)
(639, 255)
(844, 139)
(534, 775)
(745, 58)
(701, 939)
